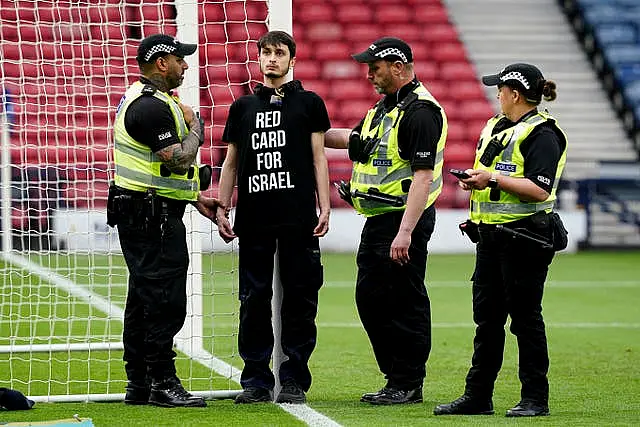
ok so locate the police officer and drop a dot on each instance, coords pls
(397, 151)
(276, 155)
(156, 142)
(519, 161)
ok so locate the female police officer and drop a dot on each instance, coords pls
(519, 161)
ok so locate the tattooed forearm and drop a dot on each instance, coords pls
(178, 157)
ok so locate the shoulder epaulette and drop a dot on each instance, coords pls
(148, 90)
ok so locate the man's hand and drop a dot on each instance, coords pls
(208, 206)
(224, 226)
(400, 247)
(323, 225)
(189, 114)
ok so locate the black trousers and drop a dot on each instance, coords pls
(508, 281)
(392, 299)
(301, 275)
(156, 300)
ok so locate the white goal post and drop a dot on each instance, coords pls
(63, 66)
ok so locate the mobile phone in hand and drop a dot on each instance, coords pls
(460, 174)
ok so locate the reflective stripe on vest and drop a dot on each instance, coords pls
(137, 167)
(511, 163)
(386, 170)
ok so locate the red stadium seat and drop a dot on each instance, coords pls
(324, 31)
(468, 90)
(350, 14)
(394, 14)
(412, 34)
(352, 89)
(211, 12)
(438, 88)
(347, 69)
(319, 12)
(456, 132)
(426, 70)
(440, 33)
(354, 110)
(448, 52)
(321, 87)
(360, 35)
(331, 50)
(476, 110)
(304, 70)
(458, 71)
(428, 15)
(234, 11)
(459, 152)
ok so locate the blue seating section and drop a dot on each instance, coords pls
(615, 26)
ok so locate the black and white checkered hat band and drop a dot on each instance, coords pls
(391, 51)
(159, 48)
(515, 75)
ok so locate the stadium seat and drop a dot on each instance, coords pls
(393, 14)
(211, 12)
(449, 52)
(632, 93)
(348, 90)
(459, 152)
(476, 109)
(458, 71)
(619, 54)
(426, 70)
(412, 34)
(360, 35)
(324, 31)
(319, 12)
(440, 33)
(347, 69)
(467, 90)
(332, 50)
(627, 73)
(352, 14)
(427, 15)
(621, 33)
(304, 70)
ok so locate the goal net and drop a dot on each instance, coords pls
(64, 64)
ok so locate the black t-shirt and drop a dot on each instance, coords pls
(419, 130)
(276, 174)
(541, 151)
(149, 121)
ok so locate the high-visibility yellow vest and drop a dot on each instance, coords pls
(137, 167)
(510, 162)
(386, 170)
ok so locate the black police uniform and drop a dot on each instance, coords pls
(154, 246)
(509, 280)
(392, 300)
(276, 204)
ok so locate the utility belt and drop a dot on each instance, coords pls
(136, 208)
(544, 229)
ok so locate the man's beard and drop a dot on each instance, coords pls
(275, 74)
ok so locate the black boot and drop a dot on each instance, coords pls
(529, 408)
(367, 397)
(254, 395)
(137, 394)
(169, 393)
(465, 405)
(291, 393)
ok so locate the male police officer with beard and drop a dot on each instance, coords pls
(397, 151)
(156, 143)
(276, 153)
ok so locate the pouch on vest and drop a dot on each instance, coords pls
(204, 174)
(558, 232)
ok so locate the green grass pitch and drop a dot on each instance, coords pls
(591, 306)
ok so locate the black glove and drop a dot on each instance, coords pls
(344, 191)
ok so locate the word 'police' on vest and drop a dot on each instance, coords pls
(267, 141)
